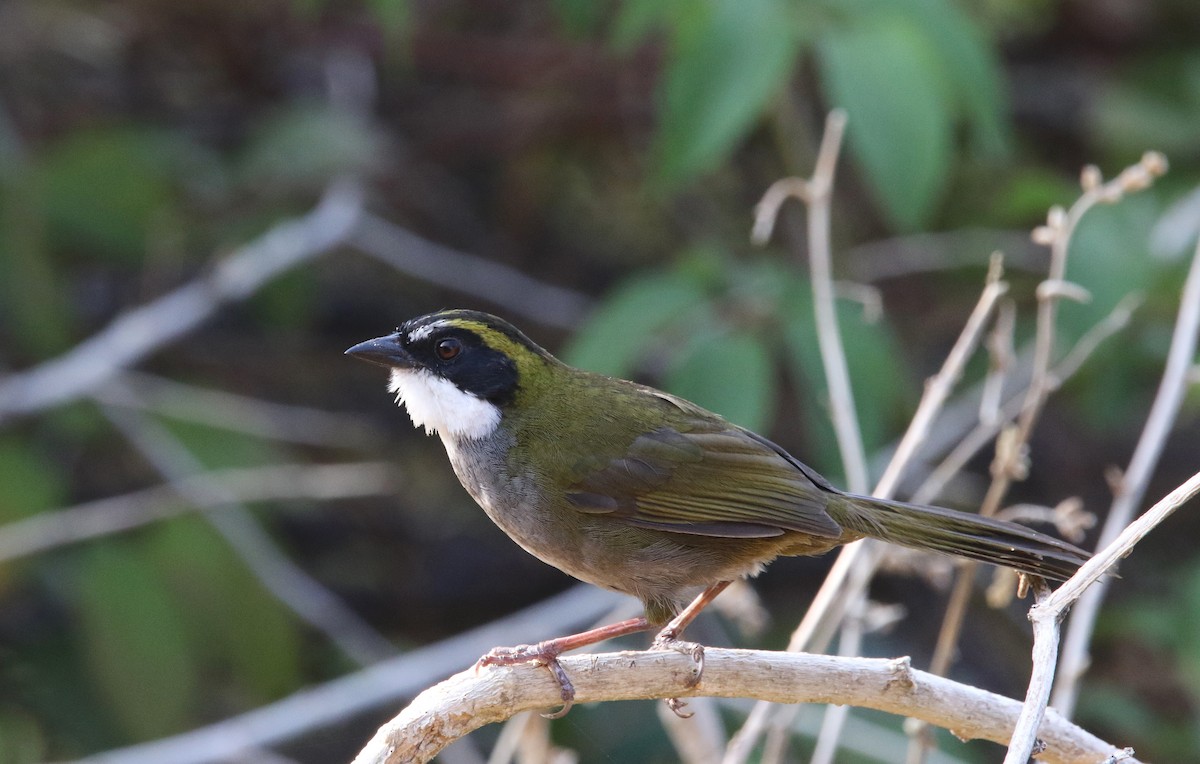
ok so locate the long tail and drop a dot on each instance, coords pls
(960, 533)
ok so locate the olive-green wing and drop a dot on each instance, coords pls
(708, 478)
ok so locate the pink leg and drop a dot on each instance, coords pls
(668, 638)
(546, 653)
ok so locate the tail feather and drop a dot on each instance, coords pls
(960, 533)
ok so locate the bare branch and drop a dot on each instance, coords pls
(855, 565)
(1107, 558)
(1133, 485)
(139, 332)
(983, 432)
(47, 530)
(816, 193)
(1009, 463)
(462, 272)
(1048, 613)
(1045, 653)
(471, 699)
(287, 582)
(240, 413)
(371, 688)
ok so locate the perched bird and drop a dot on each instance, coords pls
(640, 491)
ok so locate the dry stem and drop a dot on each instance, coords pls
(471, 699)
(1048, 613)
(855, 564)
(1011, 449)
(1134, 481)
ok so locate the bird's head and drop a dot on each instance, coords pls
(457, 371)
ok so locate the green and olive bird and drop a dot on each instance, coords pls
(639, 491)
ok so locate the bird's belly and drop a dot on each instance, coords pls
(653, 565)
(516, 505)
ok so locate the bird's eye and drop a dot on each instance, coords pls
(448, 349)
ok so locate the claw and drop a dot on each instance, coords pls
(541, 654)
(676, 705)
(697, 654)
(566, 690)
(667, 641)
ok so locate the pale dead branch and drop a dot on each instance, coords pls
(373, 687)
(1050, 609)
(1136, 477)
(136, 334)
(209, 490)
(471, 699)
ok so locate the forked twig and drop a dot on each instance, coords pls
(471, 699)
(1048, 613)
(816, 193)
(139, 332)
(855, 564)
(1134, 481)
(1010, 461)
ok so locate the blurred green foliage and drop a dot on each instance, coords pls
(613, 149)
(726, 332)
(907, 72)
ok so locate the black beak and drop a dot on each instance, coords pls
(383, 351)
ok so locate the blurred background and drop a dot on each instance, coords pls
(205, 508)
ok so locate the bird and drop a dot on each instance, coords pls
(639, 491)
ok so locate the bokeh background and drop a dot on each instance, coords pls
(589, 171)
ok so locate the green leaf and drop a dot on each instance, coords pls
(883, 71)
(305, 147)
(878, 378)
(617, 334)
(22, 740)
(135, 643)
(239, 628)
(971, 67)
(29, 483)
(104, 189)
(719, 80)
(731, 374)
(34, 303)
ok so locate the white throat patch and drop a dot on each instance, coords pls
(438, 406)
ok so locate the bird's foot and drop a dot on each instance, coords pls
(667, 639)
(543, 654)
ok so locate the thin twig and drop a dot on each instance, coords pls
(372, 688)
(286, 581)
(816, 193)
(471, 699)
(469, 274)
(826, 748)
(209, 490)
(137, 333)
(1133, 484)
(983, 432)
(1009, 464)
(856, 562)
(240, 413)
(1045, 652)
(938, 389)
(1047, 614)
